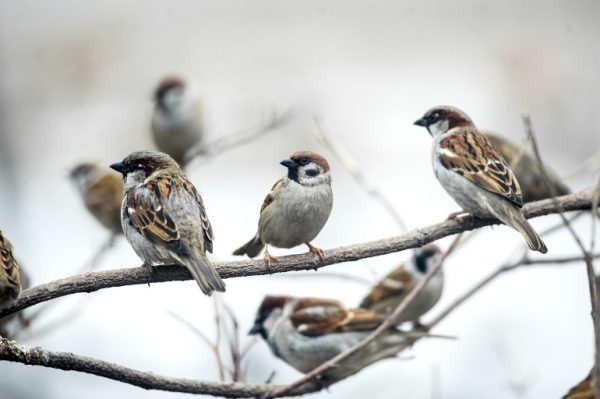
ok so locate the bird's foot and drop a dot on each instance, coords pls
(269, 260)
(317, 251)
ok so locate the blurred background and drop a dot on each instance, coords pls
(76, 81)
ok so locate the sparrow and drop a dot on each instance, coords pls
(306, 332)
(177, 118)
(526, 170)
(102, 192)
(163, 217)
(583, 390)
(296, 209)
(10, 278)
(389, 292)
(473, 172)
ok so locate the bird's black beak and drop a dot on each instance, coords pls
(422, 122)
(257, 328)
(119, 167)
(288, 163)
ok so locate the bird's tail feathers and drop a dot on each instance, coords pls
(252, 248)
(519, 223)
(205, 274)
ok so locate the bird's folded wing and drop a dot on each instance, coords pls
(471, 155)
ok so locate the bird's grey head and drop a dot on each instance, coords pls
(269, 310)
(139, 165)
(83, 174)
(439, 120)
(307, 168)
(169, 95)
(425, 258)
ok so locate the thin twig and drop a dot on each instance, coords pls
(213, 347)
(217, 344)
(587, 255)
(590, 165)
(94, 262)
(228, 142)
(352, 167)
(94, 281)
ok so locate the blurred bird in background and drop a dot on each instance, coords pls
(474, 174)
(10, 278)
(306, 332)
(296, 209)
(526, 170)
(177, 118)
(389, 292)
(101, 190)
(583, 390)
(164, 219)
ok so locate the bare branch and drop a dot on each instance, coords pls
(352, 167)
(11, 351)
(237, 139)
(94, 281)
(587, 255)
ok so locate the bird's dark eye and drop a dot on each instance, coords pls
(303, 161)
(435, 117)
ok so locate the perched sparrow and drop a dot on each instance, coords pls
(296, 209)
(102, 193)
(163, 217)
(583, 390)
(305, 332)
(473, 173)
(177, 118)
(526, 170)
(392, 290)
(10, 278)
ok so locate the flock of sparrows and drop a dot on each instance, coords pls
(164, 219)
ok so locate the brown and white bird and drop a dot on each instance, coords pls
(473, 172)
(102, 192)
(306, 332)
(163, 217)
(177, 118)
(527, 171)
(10, 278)
(389, 292)
(296, 209)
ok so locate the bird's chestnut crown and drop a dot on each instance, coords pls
(146, 161)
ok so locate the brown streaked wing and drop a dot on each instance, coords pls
(396, 284)
(329, 316)
(471, 155)
(9, 269)
(147, 215)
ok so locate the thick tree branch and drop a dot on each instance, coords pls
(94, 281)
(11, 351)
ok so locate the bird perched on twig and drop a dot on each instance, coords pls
(164, 219)
(306, 332)
(177, 118)
(296, 209)
(527, 171)
(10, 277)
(102, 192)
(389, 292)
(473, 172)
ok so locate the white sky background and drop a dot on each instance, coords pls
(76, 81)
